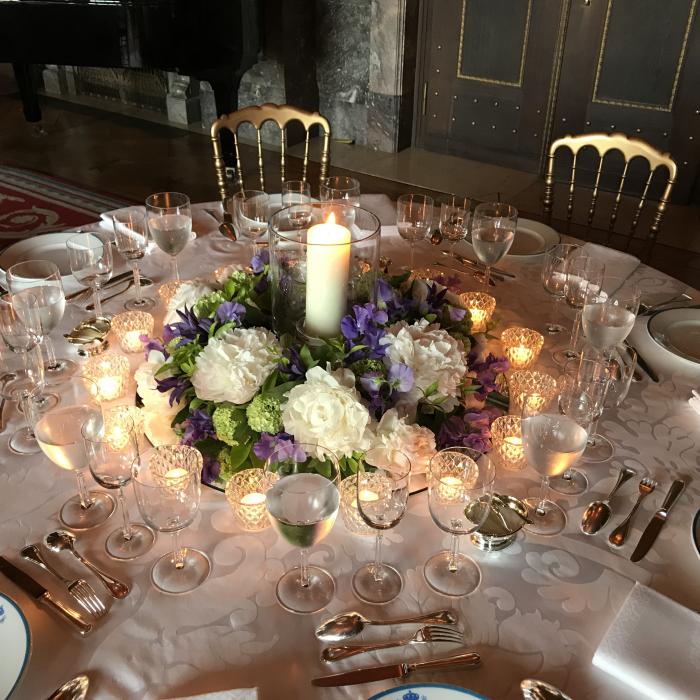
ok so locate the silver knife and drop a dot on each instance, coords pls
(467, 659)
(654, 527)
(115, 280)
(473, 263)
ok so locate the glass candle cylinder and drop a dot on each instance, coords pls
(521, 346)
(348, 507)
(506, 437)
(245, 492)
(110, 373)
(480, 306)
(130, 326)
(530, 381)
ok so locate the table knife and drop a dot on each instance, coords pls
(473, 263)
(468, 659)
(115, 280)
(654, 527)
(38, 592)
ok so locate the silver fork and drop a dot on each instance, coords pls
(619, 534)
(80, 589)
(429, 633)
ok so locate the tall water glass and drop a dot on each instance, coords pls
(44, 280)
(454, 221)
(341, 190)
(493, 231)
(90, 256)
(170, 223)
(382, 496)
(302, 502)
(460, 484)
(414, 219)
(251, 210)
(131, 236)
(554, 280)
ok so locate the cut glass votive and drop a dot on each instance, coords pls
(524, 382)
(481, 307)
(110, 373)
(168, 290)
(521, 346)
(348, 508)
(506, 437)
(130, 326)
(245, 492)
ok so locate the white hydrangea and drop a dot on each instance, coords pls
(234, 366)
(186, 295)
(157, 412)
(396, 433)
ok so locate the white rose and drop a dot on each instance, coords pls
(186, 295)
(417, 442)
(234, 366)
(326, 410)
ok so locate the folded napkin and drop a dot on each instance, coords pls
(616, 262)
(653, 645)
(240, 694)
(202, 221)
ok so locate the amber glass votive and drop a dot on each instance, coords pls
(130, 326)
(481, 307)
(521, 346)
(541, 385)
(507, 440)
(245, 492)
(110, 373)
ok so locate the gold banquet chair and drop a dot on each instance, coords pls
(257, 115)
(630, 148)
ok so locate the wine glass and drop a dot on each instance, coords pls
(59, 434)
(460, 483)
(554, 437)
(170, 223)
(554, 279)
(382, 497)
(414, 217)
(341, 190)
(302, 503)
(454, 221)
(90, 256)
(167, 485)
(112, 447)
(131, 236)
(250, 214)
(297, 194)
(493, 232)
(44, 280)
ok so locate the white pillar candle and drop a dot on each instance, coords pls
(327, 270)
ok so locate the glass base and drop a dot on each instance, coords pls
(308, 599)
(561, 357)
(74, 516)
(601, 451)
(42, 403)
(552, 522)
(221, 244)
(571, 484)
(377, 588)
(194, 573)
(554, 328)
(141, 541)
(62, 370)
(140, 304)
(23, 442)
(460, 582)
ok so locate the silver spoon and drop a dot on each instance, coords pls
(349, 624)
(59, 540)
(533, 689)
(598, 512)
(74, 689)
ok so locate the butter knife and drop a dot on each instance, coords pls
(657, 522)
(467, 659)
(114, 280)
(38, 592)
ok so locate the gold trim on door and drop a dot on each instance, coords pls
(493, 81)
(641, 105)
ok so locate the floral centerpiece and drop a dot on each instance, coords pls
(404, 372)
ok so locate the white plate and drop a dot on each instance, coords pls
(678, 331)
(532, 238)
(428, 691)
(15, 643)
(695, 532)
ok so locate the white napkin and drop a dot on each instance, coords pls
(616, 262)
(653, 645)
(240, 694)
(202, 221)
(381, 206)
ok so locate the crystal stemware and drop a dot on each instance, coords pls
(493, 232)
(170, 223)
(382, 496)
(43, 278)
(414, 218)
(341, 190)
(302, 503)
(460, 483)
(251, 210)
(131, 236)
(554, 280)
(167, 485)
(90, 256)
(297, 194)
(454, 221)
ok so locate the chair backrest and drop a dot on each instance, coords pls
(257, 115)
(630, 148)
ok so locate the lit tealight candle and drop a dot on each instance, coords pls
(450, 487)
(480, 306)
(521, 346)
(253, 499)
(245, 492)
(130, 326)
(348, 506)
(367, 496)
(110, 374)
(507, 442)
(540, 386)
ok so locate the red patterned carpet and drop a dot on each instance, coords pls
(33, 203)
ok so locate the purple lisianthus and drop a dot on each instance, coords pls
(230, 311)
(259, 260)
(279, 447)
(210, 469)
(152, 344)
(176, 385)
(198, 426)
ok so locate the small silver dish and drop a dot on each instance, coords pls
(90, 336)
(506, 517)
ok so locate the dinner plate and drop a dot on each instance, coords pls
(532, 238)
(15, 643)
(46, 246)
(428, 691)
(678, 331)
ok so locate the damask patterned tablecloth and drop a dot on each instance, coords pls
(541, 609)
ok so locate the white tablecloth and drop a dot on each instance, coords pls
(541, 610)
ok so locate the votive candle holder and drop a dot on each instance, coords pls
(480, 306)
(521, 346)
(507, 440)
(349, 510)
(245, 492)
(130, 326)
(110, 374)
(524, 382)
(116, 417)
(168, 290)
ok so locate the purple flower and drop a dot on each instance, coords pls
(188, 328)
(198, 426)
(456, 314)
(292, 366)
(400, 377)
(487, 372)
(230, 311)
(389, 300)
(365, 326)
(469, 430)
(210, 469)
(279, 447)
(259, 260)
(152, 344)
(177, 385)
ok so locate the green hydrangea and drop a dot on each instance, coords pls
(227, 420)
(364, 366)
(224, 459)
(264, 414)
(208, 304)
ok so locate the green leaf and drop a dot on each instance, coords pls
(307, 357)
(432, 389)
(270, 382)
(209, 446)
(240, 454)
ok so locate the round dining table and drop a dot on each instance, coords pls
(541, 609)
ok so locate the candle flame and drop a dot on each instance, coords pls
(330, 219)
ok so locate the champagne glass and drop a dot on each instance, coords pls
(341, 190)
(167, 485)
(554, 279)
(59, 434)
(112, 447)
(44, 280)
(170, 223)
(493, 232)
(251, 210)
(414, 217)
(454, 221)
(382, 496)
(460, 483)
(90, 256)
(302, 503)
(554, 437)
(131, 236)
(297, 194)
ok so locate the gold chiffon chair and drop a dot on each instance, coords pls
(630, 148)
(257, 115)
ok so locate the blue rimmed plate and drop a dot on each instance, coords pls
(15, 642)
(428, 691)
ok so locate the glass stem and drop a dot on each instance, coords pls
(556, 314)
(594, 429)
(544, 490)
(303, 569)
(127, 532)
(413, 248)
(96, 300)
(137, 282)
(575, 330)
(487, 277)
(29, 411)
(84, 495)
(376, 567)
(51, 362)
(176, 270)
(454, 553)
(179, 553)
(568, 474)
